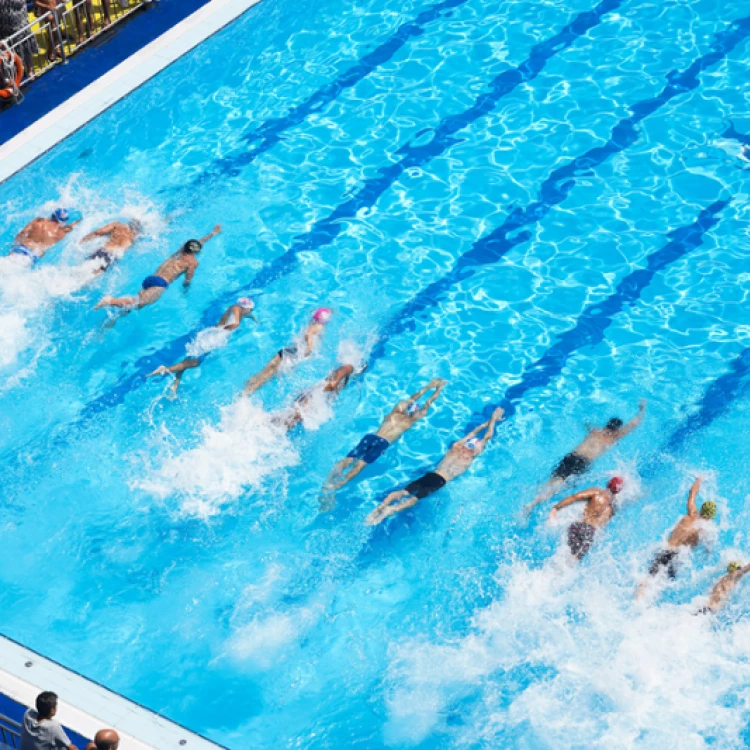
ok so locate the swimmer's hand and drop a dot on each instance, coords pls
(553, 515)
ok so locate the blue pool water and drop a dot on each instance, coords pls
(542, 202)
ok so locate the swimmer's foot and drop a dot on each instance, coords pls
(160, 370)
(103, 302)
(378, 515)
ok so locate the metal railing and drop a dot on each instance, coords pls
(59, 32)
(10, 733)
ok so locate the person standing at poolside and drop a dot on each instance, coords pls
(686, 535)
(457, 460)
(40, 235)
(329, 388)
(579, 460)
(206, 341)
(39, 730)
(290, 355)
(181, 262)
(599, 510)
(723, 587)
(119, 239)
(401, 419)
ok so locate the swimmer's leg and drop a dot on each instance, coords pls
(177, 370)
(259, 380)
(547, 491)
(109, 301)
(340, 476)
(386, 508)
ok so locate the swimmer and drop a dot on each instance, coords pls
(181, 262)
(230, 321)
(457, 460)
(40, 235)
(686, 535)
(579, 460)
(293, 353)
(723, 587)
(120, 238)
(330, 388)
(600, 507)
(403, 417)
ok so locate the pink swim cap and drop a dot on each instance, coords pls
(615, 485)
(322, 314)
(246, 303)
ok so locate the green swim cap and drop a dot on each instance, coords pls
(708, 509)
(733, 566)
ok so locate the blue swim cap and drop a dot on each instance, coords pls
(472, 443)
(61, 215)
(412, 409)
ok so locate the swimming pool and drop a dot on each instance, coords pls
(542, 203)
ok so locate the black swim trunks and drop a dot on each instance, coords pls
(288, 351)
(107, 259)
(426, 485)
(571, 465)
(667, 559)
(580, 538)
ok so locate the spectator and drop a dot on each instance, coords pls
(106, 739)
(13, 18)
(39, 730)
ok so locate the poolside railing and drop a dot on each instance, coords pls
(10, 734)
(52, 37)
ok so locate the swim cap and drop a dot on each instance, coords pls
(136, 225)
(615, 485)
(322, 315)
(246, 303)
(192, 246)
(60, 215)
(733, 567)
(412, 409)
(708, 509)
(614, 424)
(472, 443)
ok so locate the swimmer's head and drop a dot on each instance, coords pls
(246, 303)
(613, 425)
(708, 509)
(412, 409)
(136, 226)
(322, 315)
(472, 443)
(60, 215)
(192, 246)
(615, 485)
(733, 567)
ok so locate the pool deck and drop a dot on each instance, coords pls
(87, 104)
(86, 707)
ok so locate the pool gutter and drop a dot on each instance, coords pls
(86, 707)
(140, 67)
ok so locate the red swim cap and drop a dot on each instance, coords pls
(615, 485)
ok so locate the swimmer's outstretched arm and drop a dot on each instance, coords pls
(386, 508)
(497, 415)
(101, 232)
(216, 230)
(578, 497)
(633, 423)
(692, 507)
(438, 385)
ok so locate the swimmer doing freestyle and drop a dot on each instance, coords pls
(401, 419)
(40, 235)
(181, 262)
(598, 512)
(292, 354)
(203, 345)
(119, 239)
(457, 460)
(579, 460)
(723, 587)
(686, 535)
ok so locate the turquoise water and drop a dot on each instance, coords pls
(543, 203)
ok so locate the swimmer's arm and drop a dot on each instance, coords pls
(578, 497)
(189, 273)
(216, 230)
(101, 232)
(635, 422)
(70, 227)
(310, 335)
(438, 385)
(691, 504)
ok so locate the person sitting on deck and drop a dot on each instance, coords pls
(458, 459)
(39, 730)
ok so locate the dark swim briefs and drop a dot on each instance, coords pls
(580, 538)
(426, 485)
(151, 282)
(107, 259)
(369, 449)
(288, 351)
(571, 465)
(667, 559)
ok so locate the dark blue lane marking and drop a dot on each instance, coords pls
(556, 187)
(325, 230)
(717, 399)
(270, 132)
(593, 322)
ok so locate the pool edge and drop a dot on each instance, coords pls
(81, 108)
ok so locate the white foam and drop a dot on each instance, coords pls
(238, 454)
(208, 340)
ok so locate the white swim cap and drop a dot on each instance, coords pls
(246, 303)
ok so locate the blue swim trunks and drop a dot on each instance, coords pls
(370, 448)
(26, 251)
(154, 281)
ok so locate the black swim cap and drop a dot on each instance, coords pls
(614, 424)
(192, 246)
